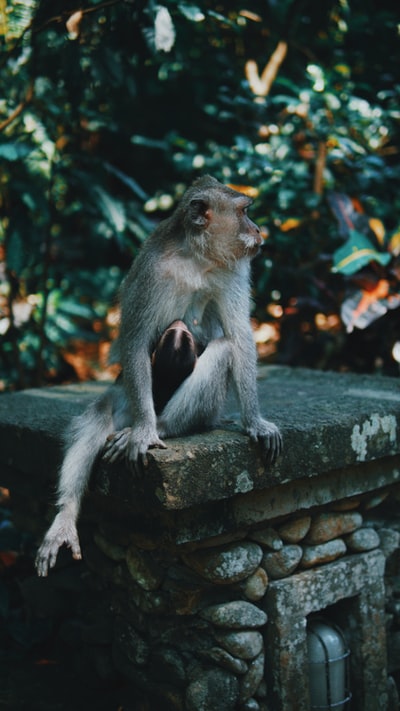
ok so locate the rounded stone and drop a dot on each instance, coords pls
(279, 564)
(323, 553)
(250, 705)
(226, 564)
(245, 645)
(294, 531)
(389, 540)
(250, 682)
(111, 550)
(330, 525)
(226, 660)
(237, 614)
(365, 539)
(143, 569)
(129, 643)
(214, 689)
(255, 586)
(267, 537)
(167, 666)
(346, 504)
(376, 500)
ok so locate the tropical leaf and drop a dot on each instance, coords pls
(356, 253)
(112, 209)
(366, 305)
(191, 12)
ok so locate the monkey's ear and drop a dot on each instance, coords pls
(199, 212)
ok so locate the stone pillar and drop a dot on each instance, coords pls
(288, 602)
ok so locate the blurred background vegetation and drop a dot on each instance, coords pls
(108, 110)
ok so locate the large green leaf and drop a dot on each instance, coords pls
(14, 151)
(356, 253)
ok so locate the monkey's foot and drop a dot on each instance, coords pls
(132, 444)
(269, 437)
(62, 531)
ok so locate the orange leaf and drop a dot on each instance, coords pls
(73, 24)
(378, 229)
(261, 85)
(394, 244)
(290, 224)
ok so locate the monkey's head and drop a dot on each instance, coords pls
(216, 223)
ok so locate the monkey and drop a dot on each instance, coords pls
(184, 341)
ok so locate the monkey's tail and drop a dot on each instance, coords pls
(84, 440)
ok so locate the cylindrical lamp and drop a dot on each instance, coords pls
(328, 665)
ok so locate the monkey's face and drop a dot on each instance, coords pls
(234, 235)
(249, 233)
(217, 223)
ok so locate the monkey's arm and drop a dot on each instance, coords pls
(244, 371)
(236, 324)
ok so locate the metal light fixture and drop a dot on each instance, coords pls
(328, 665)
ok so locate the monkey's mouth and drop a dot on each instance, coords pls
(253, 249)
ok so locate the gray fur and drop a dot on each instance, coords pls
(195, 268)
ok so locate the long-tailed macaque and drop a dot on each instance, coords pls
(185, 337)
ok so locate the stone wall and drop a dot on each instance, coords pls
(198, 579)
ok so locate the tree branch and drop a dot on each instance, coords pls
(19, 109)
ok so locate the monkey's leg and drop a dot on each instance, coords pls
(173, 359)
(84, 441)
(197, 403)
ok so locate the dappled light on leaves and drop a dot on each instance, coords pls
(110, 110)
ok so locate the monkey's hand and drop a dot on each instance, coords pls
(62, 530)
(132, 444)
(269, 437)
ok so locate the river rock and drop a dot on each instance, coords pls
(213, 689)
(246, 645)
(294, 531)
(323, 553)
(364, 539)
(330, 525)
(143, 569)
(226, 660)
(279, 564)
(250, 682)
(250, 705)
(346, 504)
(226, 564)
(237, 614)
(167, 666)
(255, 586)
(129, 643)
(267, 537)
(111, 550)
(389, 540)
(376, 500)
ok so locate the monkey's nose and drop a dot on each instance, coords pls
(261, 236)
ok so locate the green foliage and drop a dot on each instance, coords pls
(105, 119)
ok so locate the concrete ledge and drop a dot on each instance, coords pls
(200, 575)
(329, 422)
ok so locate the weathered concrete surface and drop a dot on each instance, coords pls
(359, 581)
(329, 422)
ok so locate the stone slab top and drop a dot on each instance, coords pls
(329, 421)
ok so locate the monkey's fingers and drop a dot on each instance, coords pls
(138, 458)
(46, 558)
(116, 445)
(272, 447)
